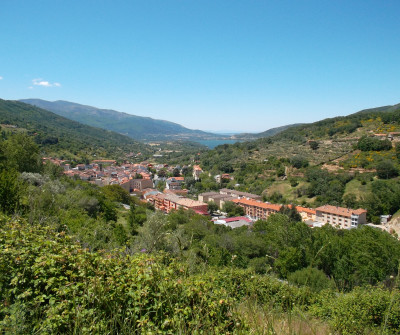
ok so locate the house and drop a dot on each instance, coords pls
(141, 184)
(197, 171)
(341, 217)
(175, 183)
(136, 184)
(221, 199)
(205, 197)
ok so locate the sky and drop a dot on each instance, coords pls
(233, 65)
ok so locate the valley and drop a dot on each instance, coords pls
(295, 212)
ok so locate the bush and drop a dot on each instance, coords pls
(367, 143)
(386, 170)
(362, 309)
(313, 278)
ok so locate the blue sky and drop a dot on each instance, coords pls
(212, 65)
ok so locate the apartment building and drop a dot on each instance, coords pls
(341, 217)
(168, 202)
(257, 210)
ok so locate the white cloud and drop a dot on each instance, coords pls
(44, 83)
(1, 77)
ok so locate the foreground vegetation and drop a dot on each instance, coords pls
(50, 284)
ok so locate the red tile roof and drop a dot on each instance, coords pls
(259, 204)
(347, 212)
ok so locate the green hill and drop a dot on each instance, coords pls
(136, 127)
(55, 133)
(267, 133)
(335, 138)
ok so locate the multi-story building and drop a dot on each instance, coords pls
(257, 210)
(168, 202)
(341, 217)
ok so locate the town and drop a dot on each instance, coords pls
(163, 187)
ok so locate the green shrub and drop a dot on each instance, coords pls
(313, 278)
(360, 310)
(58, 287)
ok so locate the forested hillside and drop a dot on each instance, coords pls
(56, 134)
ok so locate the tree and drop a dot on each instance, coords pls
(189, 182)
(152, 235)
(175, 172)
(22, 154)
(116, 193)
(136, 218)
(161, 185)
(299, 162)
(187, 171)
(290, 259)
(398, 151)
(291, 212)
(232, 209)
(314, 145)
(162, 173)
(212, 207)
(10, 191)
(386, 170)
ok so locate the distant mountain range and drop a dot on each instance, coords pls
(136, 127)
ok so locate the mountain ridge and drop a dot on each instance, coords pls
(137, 127)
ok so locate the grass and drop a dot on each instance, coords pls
(288, 192)
(327, 151)
(268, 320)
(355, 187)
